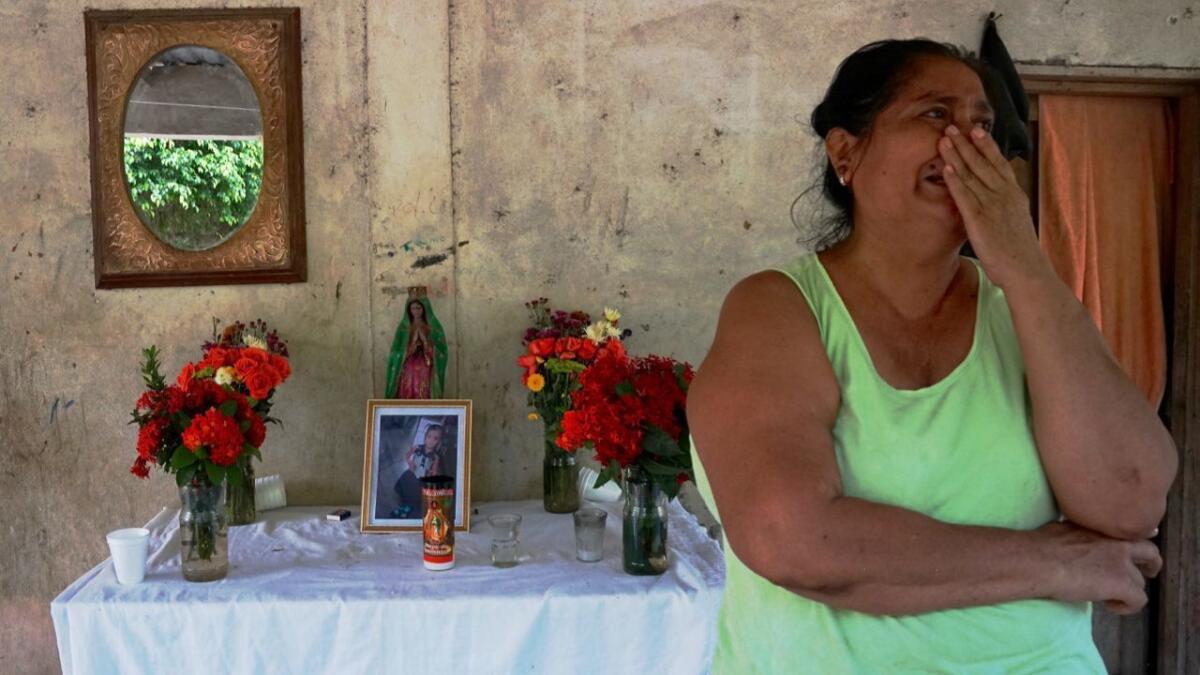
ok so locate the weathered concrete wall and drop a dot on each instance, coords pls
(645, 154)
(68, 357)
(642, 154)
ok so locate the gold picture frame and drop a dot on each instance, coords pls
(265, 45)
(396, 456)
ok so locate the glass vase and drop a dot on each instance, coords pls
(240, 508)
(560, 480)
(644, 529)
(204, 543)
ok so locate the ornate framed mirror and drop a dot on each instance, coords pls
(196, 147)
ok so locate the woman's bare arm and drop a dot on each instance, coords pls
(1107, 456)
(762, 409)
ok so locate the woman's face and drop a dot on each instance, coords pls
(897, 171)
(416, 310)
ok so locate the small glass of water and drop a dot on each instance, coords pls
(589, 533)
(506, 535)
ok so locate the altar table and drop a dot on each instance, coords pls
(307, 595)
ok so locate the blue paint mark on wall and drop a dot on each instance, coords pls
(54, 408)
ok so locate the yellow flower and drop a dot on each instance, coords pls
(611, 315)
(533, 417)
(226, 375)
(597, 332)
(535, 382)
(254, 341)
(594, 332)
(611, 331)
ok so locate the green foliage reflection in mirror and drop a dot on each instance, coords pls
(193, 194)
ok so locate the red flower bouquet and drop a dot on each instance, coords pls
(206, 426)
(558, 347)
(631, 412)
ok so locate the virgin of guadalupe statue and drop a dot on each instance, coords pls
(417, 364)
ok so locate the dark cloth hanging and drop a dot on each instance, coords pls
(1004, 90)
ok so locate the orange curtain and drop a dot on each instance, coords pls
(1104, 180)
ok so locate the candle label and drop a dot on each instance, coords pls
(438, 524)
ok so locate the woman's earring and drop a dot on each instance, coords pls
(842, 180)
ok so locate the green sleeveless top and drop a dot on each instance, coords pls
(961, 451)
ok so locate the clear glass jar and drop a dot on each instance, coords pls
(240, 508)
(644, 529)
(204, 543)
(560, 480)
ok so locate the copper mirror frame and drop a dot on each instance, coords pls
(265, 44)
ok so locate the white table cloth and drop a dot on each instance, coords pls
(306, 595)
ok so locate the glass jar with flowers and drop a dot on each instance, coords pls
(558, 347)
(631, 413)
(203, 432)
(251, 360)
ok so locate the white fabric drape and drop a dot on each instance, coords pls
(305, 595)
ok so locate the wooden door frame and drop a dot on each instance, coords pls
(1178, 596)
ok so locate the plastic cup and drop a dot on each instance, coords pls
(129, 547)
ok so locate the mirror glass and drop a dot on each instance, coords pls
(193, 147)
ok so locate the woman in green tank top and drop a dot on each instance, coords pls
(922, 462)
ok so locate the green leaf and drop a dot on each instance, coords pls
(228, 408)
(252, 451)
(150, 369)
(182, 421)
(244, 425)
(608, 473)
(668, 484)
(624, 388)
(564, 366)
(182, 457)
(216, 474)
(679, 369)
(184, 476)
(659, 442)
(657, 468)
(233, 474)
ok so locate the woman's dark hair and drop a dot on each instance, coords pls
(864, 84)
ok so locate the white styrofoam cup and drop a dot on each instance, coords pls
(129, 547)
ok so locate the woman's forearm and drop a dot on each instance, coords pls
(881, 559)
(1107, 456)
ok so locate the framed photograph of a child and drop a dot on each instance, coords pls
(406, 441)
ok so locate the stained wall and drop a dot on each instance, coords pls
(637, 154)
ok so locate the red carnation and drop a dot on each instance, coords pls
(587, 351)
(257, 432)
(175, 399)
(567, 347)
(220, 434)
(150, 438)
(281, 366)
(140, 468)
(218, 357)
(543, 347)
(254, 354)
(260, 382)
(185, 375)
